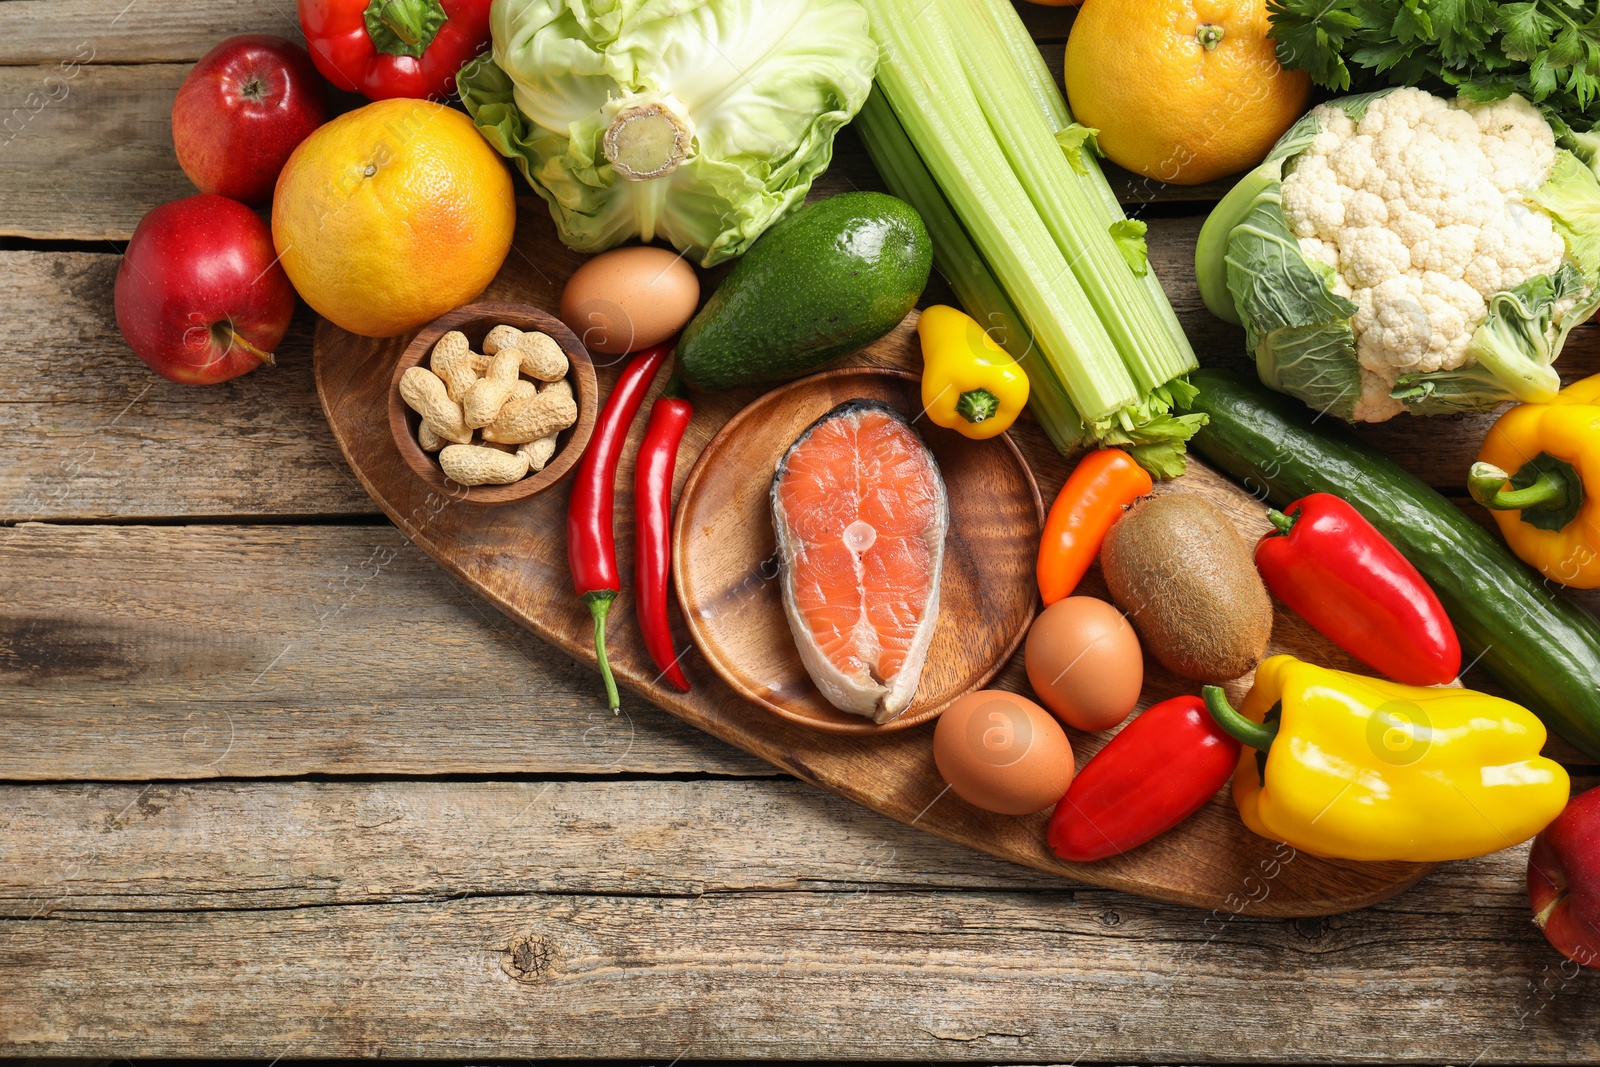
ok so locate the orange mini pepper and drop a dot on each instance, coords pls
(1104, 483)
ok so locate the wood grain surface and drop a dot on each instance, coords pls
(202, 651)
(725, 554)
(218, 598)
(667, 919)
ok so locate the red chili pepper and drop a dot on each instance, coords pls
(652, 509)
(389, 48)
(591, 545)
(1157, 772)
(1343, 577)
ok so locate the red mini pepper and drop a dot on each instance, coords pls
(591, 544)
(1343, 577)
(652, 509)
(1157, 772)
(389, 48)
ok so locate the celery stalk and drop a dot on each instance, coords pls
(963, 267)
(1073, 212)
(919, 70)
(1041, 86)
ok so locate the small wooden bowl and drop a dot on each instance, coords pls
(476, 320)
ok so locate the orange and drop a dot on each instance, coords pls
(391, 215)
(1182, 91)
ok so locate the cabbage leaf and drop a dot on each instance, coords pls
(700, 122)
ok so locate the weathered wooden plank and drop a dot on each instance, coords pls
(93, 433)
(179, 31)
(329, 873)
(195, 652)
(42, 32)
(288, 844)
(484, 951)
(87, 150)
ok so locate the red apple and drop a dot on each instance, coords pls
(200, 295)
(241, 111)
(1564, 880)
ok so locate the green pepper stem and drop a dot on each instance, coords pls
(404, 27)
(676, 388)
(977, 405)
(599, 602)
(1486, 483)
(1283, 523)
(1256, 735)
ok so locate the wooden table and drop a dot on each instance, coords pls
(274, 785)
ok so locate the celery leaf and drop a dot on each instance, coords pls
(1129, 237)
(1074, 141)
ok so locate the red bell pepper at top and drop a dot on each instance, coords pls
(1157, 772)
(1343, 577)
(390, 48)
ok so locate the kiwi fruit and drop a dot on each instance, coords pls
(1188, 581)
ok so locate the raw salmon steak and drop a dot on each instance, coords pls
(861, 513)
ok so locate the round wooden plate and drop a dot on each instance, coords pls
(725, 553)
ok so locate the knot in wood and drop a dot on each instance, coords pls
(529, 958)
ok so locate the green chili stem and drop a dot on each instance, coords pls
(1246, 732)
(599, 603)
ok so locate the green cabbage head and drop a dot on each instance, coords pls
(1447, 252)
(699, 122)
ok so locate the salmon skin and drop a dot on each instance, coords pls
(861, 513)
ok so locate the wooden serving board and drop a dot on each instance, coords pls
(515, 556)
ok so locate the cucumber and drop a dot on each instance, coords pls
(833, 277)
(1543, 648)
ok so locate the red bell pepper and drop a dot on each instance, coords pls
(1157, 772)
(390, 48)
(1343, 577)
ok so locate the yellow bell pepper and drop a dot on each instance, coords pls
(969, 384)
(1550, 513)
(1359, 768)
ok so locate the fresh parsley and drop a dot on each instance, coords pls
(1546, 50)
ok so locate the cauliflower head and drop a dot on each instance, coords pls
(1399, 251)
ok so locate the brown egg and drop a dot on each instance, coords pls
(1084, 663)
(630, 298)
(1003, 753)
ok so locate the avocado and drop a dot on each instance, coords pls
(1188, 581)
(834, 276)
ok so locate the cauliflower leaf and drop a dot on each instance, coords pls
(1297, 327)
(1512, 351)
